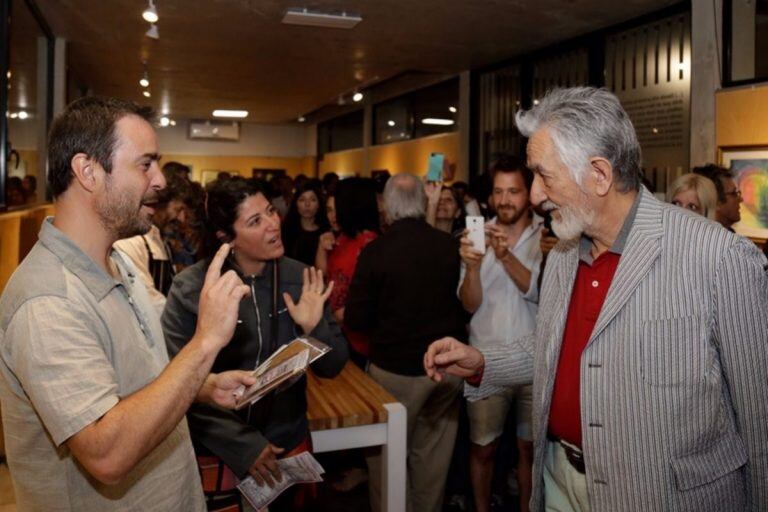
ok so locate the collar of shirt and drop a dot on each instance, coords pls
(585, 244)
(98, 281)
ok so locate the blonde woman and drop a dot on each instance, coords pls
(694, 192)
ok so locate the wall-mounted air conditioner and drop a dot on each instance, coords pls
(214, 130)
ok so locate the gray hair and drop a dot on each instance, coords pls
(587, 122)
(404, 197)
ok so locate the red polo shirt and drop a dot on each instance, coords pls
(589, 291)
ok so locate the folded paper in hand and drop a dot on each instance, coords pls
(281, 369)
(301, 468)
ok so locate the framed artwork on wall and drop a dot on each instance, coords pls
(749, 165)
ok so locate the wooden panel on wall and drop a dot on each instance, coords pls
(10, 224)
(406, 156)
(742, 117)
(344, 163)
(18, 233)
(413, 155)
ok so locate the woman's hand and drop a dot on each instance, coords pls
(327, 240)
(308, 312)
(265, 469)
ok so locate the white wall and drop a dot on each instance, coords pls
(255, 140)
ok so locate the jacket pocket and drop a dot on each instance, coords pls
(674, 351)
(722, 457)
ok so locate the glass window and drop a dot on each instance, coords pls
(340, 133)
(746, 40)
(26, 109)
(428, 111)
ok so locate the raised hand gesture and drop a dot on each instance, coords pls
(308, 312)
(219, 303)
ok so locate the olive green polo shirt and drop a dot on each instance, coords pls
(74, 341)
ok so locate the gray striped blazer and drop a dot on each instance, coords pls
(674, 378)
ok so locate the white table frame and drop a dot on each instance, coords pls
(391, 436)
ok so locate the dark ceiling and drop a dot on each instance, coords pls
(236, 54)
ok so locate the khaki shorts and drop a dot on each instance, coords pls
(488, 416)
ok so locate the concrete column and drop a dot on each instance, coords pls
(706, 73)
(59, 75)
(41, 128)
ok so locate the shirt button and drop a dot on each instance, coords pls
(594, 284)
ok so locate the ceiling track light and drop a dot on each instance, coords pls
(150, 13)
(144, 81)
(153, 32)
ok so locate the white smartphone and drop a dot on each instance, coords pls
(476, 227)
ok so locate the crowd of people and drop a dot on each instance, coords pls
(625, 336)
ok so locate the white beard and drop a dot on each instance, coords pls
(573, 221)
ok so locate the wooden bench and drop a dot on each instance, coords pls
(353, 411)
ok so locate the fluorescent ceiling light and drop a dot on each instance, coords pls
(434, 120)
(150, 13)
(358, 96)
(238, 114)
(320, 19)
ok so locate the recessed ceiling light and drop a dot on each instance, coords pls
(146, 94)
(391, 123)
(23, 115)
(437, 121)
(173, 123)
(357, 97)
(144, 82)
(238, 114)
(302, 119)
(150, 13)
(164, 121)
(535, 102)
(452, 109)
(13, 115)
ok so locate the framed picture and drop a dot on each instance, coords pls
(750, 168)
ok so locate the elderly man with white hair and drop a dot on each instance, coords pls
(649, 359)
(404, 294)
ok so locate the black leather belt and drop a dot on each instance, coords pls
(574, 455)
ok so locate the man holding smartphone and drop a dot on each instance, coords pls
(500, 289)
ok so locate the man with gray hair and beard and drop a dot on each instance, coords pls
(404, 294)
(649, 360)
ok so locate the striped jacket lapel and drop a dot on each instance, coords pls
(566, 277)
(641, 251)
